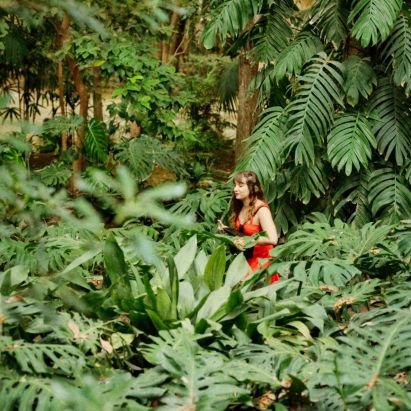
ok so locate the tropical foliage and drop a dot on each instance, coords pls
(121, 294)
(344, 68)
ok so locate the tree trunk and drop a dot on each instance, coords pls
(81, 89)
(97, 95)
(63, 36)
(247, 103)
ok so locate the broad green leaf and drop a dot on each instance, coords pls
(215, 269)
(185, 257)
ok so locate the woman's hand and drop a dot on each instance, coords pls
(239, 242)
(220, 225)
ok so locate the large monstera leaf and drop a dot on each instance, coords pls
(397, 52)
(374, 20)
(350, 142)
(393, 130)
(364, 369)
(312, 111)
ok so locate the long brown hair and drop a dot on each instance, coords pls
(256, 192)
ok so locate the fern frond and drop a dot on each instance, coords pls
(291, 60)
(311, 113)
(264, 147)
(330, 17)
(350, 142)
(96, 141)
(374, 20)
(274, 34)
(393, 130)
(389, 194)
(397, 52)
(232, 17)
(359, 79)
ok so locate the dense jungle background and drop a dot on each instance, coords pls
(122, 122)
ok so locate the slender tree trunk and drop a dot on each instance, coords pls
(97, 95)
(247, 103)
(63, 36)
(81, 89)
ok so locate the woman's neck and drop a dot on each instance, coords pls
(246, 202)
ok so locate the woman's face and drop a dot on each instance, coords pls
(241, 190)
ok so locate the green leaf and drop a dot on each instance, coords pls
(374, 20)
(236, 271)
(312, 110)
(350, 142)
(114, 262)
(215, 300)
(291, 60)
(397, 52)
(393, 130)
(185, 257)
(215, 269)
(359, 79)
(96, 141)
(231, 18)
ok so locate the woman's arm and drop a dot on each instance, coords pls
(268, 226)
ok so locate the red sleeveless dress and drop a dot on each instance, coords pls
(259, 250)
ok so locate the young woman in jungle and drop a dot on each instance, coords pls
(251, 215)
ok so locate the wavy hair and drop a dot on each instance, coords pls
(256, 192)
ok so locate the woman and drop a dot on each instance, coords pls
(251, 215)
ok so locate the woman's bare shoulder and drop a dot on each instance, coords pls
(259, 203)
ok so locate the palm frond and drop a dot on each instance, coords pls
(397, 52)
(232, 17)
(350, 142)
(330, 19)
(359, 79)
(274, 34)
(354, 190)
(96, 141)
(389, 194)
(142, 153)
(307, 181)
(264, 146)
(311, 112)
(291, 60)
(393, 130)
(374, 20)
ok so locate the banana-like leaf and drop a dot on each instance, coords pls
(311, 112)
(232, 17)
(390, 193)
(264, 146)
(301, 49)
(56, 174)
(330, 17)
(393, 130)
(374, 20)
(397, 52)
(350, 142)
(359, 79)
(96, 141)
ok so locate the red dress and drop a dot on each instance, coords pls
(259, 250)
